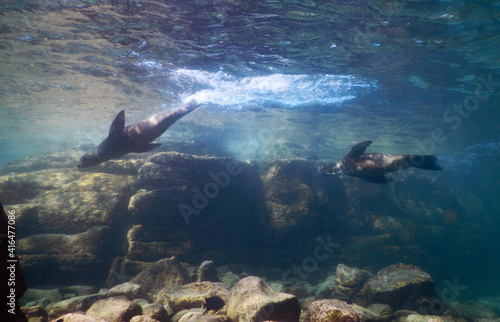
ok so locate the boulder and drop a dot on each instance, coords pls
(20, 188)
(207, 272)
(40, 297)
(229, 279)
(150, 243)
(428, 318)
(325, 288)
(77, 317)
(129, 290)
(296, 195)
(400, 286)
(253, 299)
(35, 313)
(156, 311)
(123, 270)
(202, 317)
(189, 296)
(337, 310)
(383, 312)
(181, 195)
(75, 304)
(165, 272)
(351, 277)
(72, 258)
(143, 318)
(74, 203)
(114, 309)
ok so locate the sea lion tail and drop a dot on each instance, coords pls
(426, 162)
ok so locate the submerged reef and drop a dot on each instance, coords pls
(166, 291)
(141, 226)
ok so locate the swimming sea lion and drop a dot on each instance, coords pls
(373, 166)
(135, 138)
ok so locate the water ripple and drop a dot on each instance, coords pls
(279, 89)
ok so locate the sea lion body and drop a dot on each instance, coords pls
(372, 167)
(135, 138)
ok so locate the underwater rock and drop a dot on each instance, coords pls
(189, 296)
(338, 292)
(324, 288)
(383, 312)
(201, 317)
(76, 290)
(476, 310)
(229, 279)
(155, 311)
(173, 169)
(296, 194)
(207, 272)
(181, 195)
(177, 316)
(21, 187)
(128, 290)
(336, 310)
(351, 277)
(165, 272)
(75, 304)
(253, 299)
(427, 318)
(114, 309)
(40, 297)
(158, 206)
(77, 317)
(68, 203)
(300, 290)
(128, 166)
(400, 286)
(150, 243)
(92, 200)
(70, 257)
(35, 313)
(143, 318)
(123, 270)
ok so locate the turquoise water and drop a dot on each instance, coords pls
(416, 77)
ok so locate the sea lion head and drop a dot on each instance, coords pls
(334, 168)
(89, 159)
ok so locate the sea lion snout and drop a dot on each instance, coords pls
(88, 160)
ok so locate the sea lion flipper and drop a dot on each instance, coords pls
(147, 147)
(426, 162)
(118, 124)
(359, 149)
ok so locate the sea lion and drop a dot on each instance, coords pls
(372, 167)
(135, 138)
